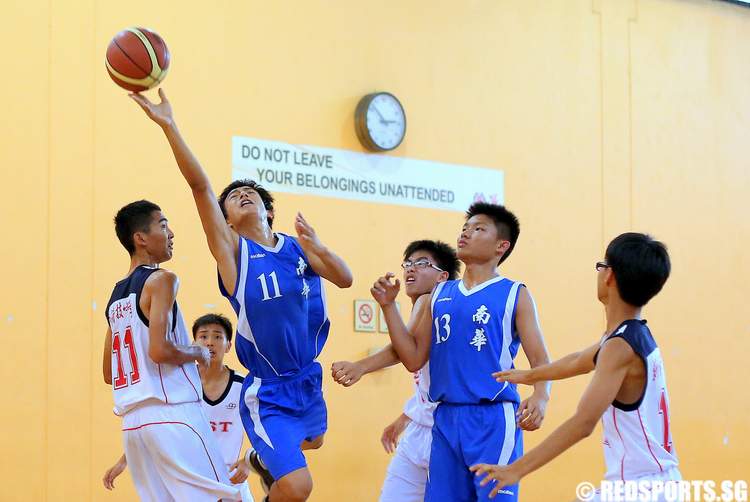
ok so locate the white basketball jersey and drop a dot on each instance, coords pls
(637, 437)
(419, 408)
(135, 377)
(224, 417)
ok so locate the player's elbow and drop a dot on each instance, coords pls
(585, 425)
(158, 354)
(108, 379)
(199, 186)
(345, 280)
(413, 365)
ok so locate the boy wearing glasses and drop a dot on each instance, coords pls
(468, 329)
(426, 263)
(628, 391)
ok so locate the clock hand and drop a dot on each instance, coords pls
(382, 119)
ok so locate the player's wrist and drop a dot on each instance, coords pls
(169, 126)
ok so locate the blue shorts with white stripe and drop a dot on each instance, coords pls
(468, 434)
(278, 414)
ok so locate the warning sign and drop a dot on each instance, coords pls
(364, 316)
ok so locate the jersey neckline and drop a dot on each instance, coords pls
(467, 292)
(277, 247)
(224, 394)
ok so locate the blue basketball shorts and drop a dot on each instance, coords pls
(464, 435)
(279, 414)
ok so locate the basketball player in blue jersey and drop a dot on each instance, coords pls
(425, 264)
(273, 282)
(467, 328)
(628, 391)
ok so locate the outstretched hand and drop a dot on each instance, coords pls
(307, 237)
(514, 376)
(161, 112)
(346, 373)
(503, 475)
(384, 291)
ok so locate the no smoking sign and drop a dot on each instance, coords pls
(365, 316)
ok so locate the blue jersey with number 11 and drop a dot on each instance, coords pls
(473, 335)
(282, 323)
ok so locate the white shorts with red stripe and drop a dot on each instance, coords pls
(406, 477)
(172, 454)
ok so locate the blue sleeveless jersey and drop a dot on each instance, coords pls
(473, 336)
(282, 322)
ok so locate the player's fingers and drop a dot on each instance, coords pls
(398, 284)
(495, 491)
(389, 275)
(479, 468)
(162, 95)
(522, 408)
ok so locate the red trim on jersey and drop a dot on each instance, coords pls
(166, 399)
(648, 444)
(191, 382)
(622, 460)
(189, 427)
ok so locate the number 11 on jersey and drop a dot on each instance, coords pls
(264, 286)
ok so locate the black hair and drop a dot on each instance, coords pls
(265, 196)
(506, 223)
(641, 266)
(219, 319)
(444, 255)
(132, 218)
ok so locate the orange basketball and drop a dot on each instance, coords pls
(137, 59)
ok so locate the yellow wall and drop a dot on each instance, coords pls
(606, 115)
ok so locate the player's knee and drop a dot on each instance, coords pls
(295, 486)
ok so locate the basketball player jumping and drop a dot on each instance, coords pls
(628, 391)
(150, 364)
(469, 329)
(426, 263)
(273, 282)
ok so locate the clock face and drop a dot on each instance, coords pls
(385, 121)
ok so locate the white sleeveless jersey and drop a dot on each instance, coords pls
(135, 377)
(637, 437)
(419, 408)
(224, 417)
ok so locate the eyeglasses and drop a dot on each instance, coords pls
(601, 265)
(420, 263)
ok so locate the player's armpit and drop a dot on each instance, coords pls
(612, 366)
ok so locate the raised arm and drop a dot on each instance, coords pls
(323, 261)
(411, 345)
(531, 411)
(577, 363)
(158, 297)
(222, 240)
(612, 367)
(107, 359)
